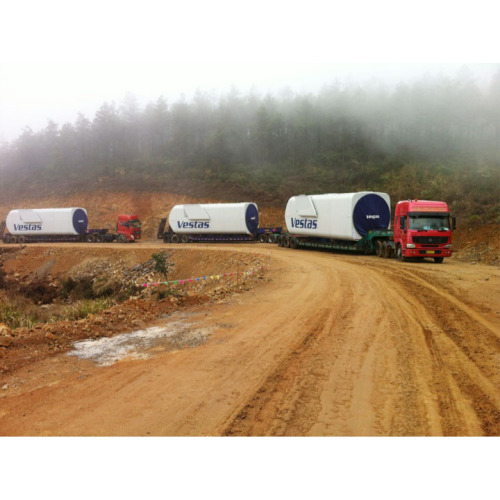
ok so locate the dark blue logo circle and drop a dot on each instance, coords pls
(371, 212)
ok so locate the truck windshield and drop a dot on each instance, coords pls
(135, 223)
(429, 223)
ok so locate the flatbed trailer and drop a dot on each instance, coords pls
(360, 223)
(91, 236)
(128, 228)
(262, 234)
(379, 242)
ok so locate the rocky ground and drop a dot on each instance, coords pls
(54, 279)
(478, 244)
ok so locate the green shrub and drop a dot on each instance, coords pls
(161, 263)
(77, 289)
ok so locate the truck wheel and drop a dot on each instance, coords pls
(386, 250)
(438, 260)
(166, 238)
(263, 238)
(90, 238)
(184, 238)
(399, 253)
(272, 238)
(99, 238)
(21, 239)
(122, 238)
(379, 249)
(175, 238)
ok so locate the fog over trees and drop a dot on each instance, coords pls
(436, 138)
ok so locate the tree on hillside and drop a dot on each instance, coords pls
(346, 137)
(107, 136)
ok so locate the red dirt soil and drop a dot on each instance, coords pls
(312, 344)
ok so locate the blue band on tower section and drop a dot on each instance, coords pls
(252, 218)
(371, 212)
(80, 221)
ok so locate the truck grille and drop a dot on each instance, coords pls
(435, 240)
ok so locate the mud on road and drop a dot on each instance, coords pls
(322, 345)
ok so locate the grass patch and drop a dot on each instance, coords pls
(17, 313)
(82, 308)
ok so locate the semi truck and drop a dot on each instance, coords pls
(64, 225)
(423, 229)
(215, 222)
(361, 222)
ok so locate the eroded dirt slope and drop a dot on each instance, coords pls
(36, 279)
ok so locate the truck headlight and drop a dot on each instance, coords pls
(411, 245)
(448, 246)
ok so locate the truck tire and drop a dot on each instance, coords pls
(175, 238)
(184, 238)
(99, 238)
(121, 238)
(386, 250)
(399, 253)
(166, 237)
(90, 238)
(379, 248)
(438, 260)
(272, 238)
(21, 239)
(263, 238)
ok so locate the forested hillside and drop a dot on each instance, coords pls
(437, 138)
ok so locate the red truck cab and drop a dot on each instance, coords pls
(128, 228)
(423, 229)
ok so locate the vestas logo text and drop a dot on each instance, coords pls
(27, 227)
(304, 223)
(193, 225)
(373, 216)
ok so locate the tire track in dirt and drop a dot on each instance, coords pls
(464, 347)
(416, 373)
(334, 382)
(289, 393)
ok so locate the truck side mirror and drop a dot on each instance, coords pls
(453, 223)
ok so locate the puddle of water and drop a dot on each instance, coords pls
(135, 345)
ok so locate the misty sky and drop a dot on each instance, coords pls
(59, 58)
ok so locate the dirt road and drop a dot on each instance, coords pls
(328, 345)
